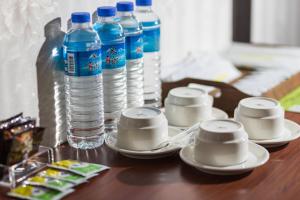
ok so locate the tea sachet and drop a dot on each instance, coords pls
(63, 175)
(80, 168)
(37, 193)
(51, 183)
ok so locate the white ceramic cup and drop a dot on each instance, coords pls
(221, 143)
(141, 129)
(263, 118)
(186, 106)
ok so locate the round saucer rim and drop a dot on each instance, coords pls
(284, 139)
(214, 110)
(226, 169)
(148, 157)
(146, 153)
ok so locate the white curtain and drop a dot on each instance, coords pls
(21, 36)
(189, 25)
(276, 22)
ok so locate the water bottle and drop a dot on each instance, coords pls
(83, 80)
(51, 85)
(113, 64)
(134, 54)
(151, 37)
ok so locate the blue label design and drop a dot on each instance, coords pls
(134, 47)
(83, 63)
(113, 56)
(151, 40)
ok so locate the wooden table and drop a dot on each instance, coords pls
(170, 178)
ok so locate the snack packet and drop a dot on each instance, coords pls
(26, 124)
(21, 139)
(5, 147)
(18, 139)
(63, 175)
(37, 193)
(38, 133)
(8, 122)
(15, 125)
(49, 183)
(81, 168)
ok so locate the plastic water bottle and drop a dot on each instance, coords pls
(51, 85)
(134, 54)
(113, 64)
(83, 79)
(151, 36)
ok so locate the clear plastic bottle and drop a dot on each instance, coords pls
(151, 36)
(113, 64)
(83, 79)
(134, 53)
(51, 85)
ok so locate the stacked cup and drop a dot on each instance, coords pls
(263, 118)
(142, 129)
(221, 143)
(186, 106)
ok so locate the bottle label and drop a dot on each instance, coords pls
(151, 40)
(83, 63)
(113, 56)
(134, 47)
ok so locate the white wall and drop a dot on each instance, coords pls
(276, 22)
(194, 25)
(188, 25)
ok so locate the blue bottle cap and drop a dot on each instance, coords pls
(106, 11)
(143, 2)
(80, 17)
(125, 6)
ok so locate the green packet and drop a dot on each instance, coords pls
(63, 175)
(37, 193)
(50, 183)
(80, 168)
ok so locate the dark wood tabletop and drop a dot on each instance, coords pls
(170, 178)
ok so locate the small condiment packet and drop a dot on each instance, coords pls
(77, 167)
(37, 193)
(50, 183)
(63, 175)
(19, 137)
(4, 124)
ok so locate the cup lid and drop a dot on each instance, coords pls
(259, 107)
(139, 117)
(221, 130)
(185, 96)
(141, 113)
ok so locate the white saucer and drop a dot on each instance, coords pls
(292, 132)
(152, 154)
(218, 114)
(257, 156)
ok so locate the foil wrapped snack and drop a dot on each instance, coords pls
(19, 137)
